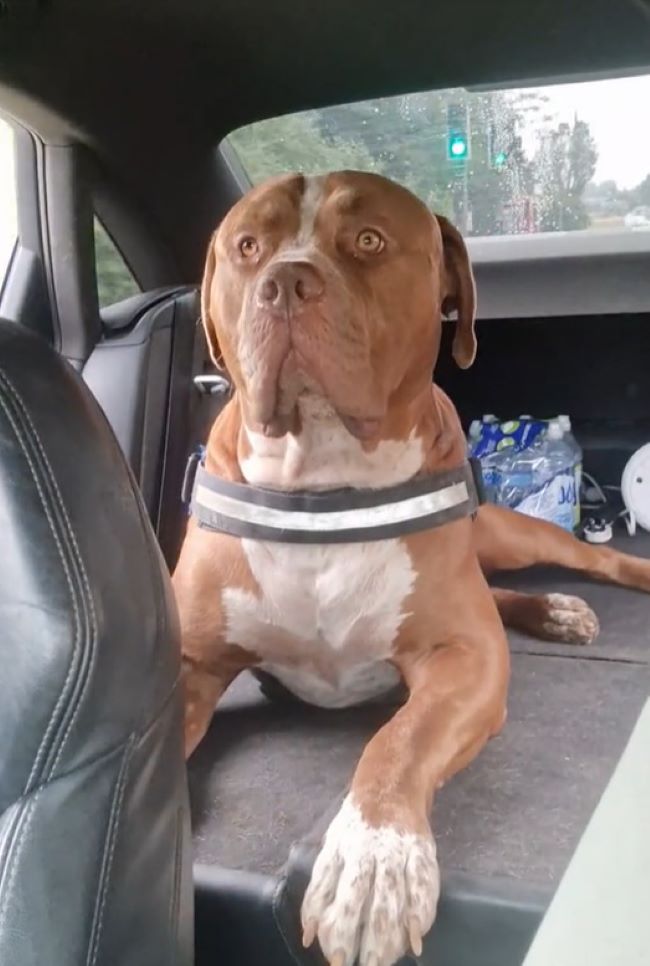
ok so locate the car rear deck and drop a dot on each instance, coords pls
(269, 775)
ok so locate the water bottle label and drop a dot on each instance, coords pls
(490, 475)
(576, 509)
(554, 502)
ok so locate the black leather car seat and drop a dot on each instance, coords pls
(95, 858)
(140, 372)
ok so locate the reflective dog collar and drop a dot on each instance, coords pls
(334, 516)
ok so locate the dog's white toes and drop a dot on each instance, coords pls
(373, 892)
(570, 620)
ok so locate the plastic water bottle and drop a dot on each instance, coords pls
(561, 455)
(573, 443)
(520, 475)
(473, 446)
(540, 479)
(490, 460)
(494, 443)
(552, 496)
(474, 430)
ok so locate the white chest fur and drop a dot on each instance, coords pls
(326, 456)
(326, 618)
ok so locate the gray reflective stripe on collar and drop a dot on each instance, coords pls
(329, 520)
(343, 516)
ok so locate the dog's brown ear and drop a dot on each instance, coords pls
(459, 293)
(206, 318)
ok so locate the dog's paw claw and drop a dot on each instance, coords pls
(415, 936)
(309, 933)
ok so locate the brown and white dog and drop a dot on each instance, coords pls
(324, 297)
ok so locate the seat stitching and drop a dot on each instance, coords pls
(177, 879)
(24, 822)
(56, 510)
(105, 755)
(90, 653)
(162, 619)
(22, 441)
(25, 819)
(9, 820)
(107, 860)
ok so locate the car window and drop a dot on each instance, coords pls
(529, 161)
(8, 215)
(115, 280)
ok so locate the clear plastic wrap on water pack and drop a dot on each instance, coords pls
(530, 465)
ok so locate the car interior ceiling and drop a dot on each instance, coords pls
(130, 102)
(189, 73)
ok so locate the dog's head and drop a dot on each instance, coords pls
(334, 285)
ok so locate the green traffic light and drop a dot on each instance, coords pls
(458, 147)
(500, 159)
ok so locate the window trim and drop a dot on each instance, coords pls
(148, 260)
(6, 123)
(60, 186)
(234, 165)
(66, 225)
(548, 246)
(8, 270)
(23, 297)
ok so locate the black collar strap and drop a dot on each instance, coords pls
(334, 516)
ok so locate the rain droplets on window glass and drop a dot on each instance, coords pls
(561, 158)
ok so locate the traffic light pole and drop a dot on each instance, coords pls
(459, 153)
(462, 213)
(466, 227)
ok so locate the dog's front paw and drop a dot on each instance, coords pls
(373, 892)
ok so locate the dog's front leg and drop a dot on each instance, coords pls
(209, 663)
(202, 689)
(375, 883)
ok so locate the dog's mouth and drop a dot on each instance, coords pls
(295, 358)
(281, 413)
(298, 397)
(364, 429)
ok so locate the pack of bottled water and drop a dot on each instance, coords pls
(531, 465)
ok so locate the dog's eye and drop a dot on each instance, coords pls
(248, 246)
(370, 241)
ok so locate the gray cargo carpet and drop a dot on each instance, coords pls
(266, 773)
